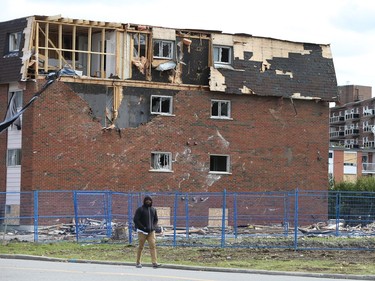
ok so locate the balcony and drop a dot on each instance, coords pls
(351, 145)
(352, 131)
(368, 168)
(351, 116)
(368, 129)
(369, 112)
(336, 134)
(337, 119)
(369, 144)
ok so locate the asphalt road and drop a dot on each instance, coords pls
(40, 270)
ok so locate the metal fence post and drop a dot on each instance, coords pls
(337, 213)
(75, 204)
(130, 216)
(296, 220)
(175, 206)
(235, 214)
(223, 219)
(286, 214)
(109, 213)
(36, 215)
(187, 214)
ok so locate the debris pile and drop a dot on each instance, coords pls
(332, 227)
(97, 229)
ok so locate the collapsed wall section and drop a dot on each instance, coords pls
(71, 150)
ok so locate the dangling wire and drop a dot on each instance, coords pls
(51, 77)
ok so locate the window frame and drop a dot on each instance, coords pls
(219, 110)
(14, 41)
(160, 112)
(14, 157)
(220, 54)
(161, 44)
(139, 42)
(17, 102)
(227, 164)
(154, 165)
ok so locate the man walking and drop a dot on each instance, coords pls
(145, 221)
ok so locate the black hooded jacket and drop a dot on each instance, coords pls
(146, 217)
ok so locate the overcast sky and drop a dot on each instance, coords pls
(347, 25)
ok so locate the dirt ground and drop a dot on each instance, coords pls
(341, 256)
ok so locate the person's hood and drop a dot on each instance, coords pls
(147, 198)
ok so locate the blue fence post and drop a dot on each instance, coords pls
(337, 213)
(175, 206)
(223, 219)
(187, 214)
(76, 214)
(130, 218)
(109, 213)
(36, 215)
(296, 220)
(235, 215)
(286, 214)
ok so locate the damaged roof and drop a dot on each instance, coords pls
(231, 63)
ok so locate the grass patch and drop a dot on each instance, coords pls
(319, 261)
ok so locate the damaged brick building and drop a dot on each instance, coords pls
(161, 109)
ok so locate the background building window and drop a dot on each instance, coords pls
(161, 105)
(163, 49)
(220, 109)
(161, 161)
(219, 163)
(14, 157)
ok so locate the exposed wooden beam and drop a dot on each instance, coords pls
(128, 83)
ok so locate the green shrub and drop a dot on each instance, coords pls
(362, 184)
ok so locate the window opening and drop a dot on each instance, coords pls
(223, 55)
(139, 45)
(220, 109)
(161, 105)
(14, 157)
(89, 50)
(219, 163)
(14, 41)
(163, 49)
(14, 106)
(161, 161)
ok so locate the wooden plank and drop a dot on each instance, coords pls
(215, 217)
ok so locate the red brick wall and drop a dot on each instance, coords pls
(338, 165)
(273, 144)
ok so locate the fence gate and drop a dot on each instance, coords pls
(93, 215)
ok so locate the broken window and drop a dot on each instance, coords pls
(139, 45)
(161, 105)
(219, 163)
(14, 106)
(14, 41)
(163, 49)
(220, 109)
(222, 55)
(161, 161)
(14, 157)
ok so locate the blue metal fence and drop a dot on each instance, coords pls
(291, 219)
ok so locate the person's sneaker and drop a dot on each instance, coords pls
(138, 265)
(156, 265)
